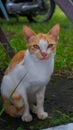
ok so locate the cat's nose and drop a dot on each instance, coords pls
(44, 54)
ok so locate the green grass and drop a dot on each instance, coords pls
(64, 55)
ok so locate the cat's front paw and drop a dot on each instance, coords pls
(42, 115)
(27, 118)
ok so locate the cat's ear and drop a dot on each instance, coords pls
(28, 33)
(54, 32)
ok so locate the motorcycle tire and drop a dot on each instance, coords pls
(45, 18)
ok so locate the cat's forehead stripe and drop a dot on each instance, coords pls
(42, 42)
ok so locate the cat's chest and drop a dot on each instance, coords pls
(39, 73)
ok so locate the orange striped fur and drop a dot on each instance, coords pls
(15, 60)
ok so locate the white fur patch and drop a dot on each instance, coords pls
(43, 45)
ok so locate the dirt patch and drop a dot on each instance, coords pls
(59, 96)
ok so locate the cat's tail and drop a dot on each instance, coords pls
(14, 107)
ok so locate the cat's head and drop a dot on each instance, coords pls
(41, 45)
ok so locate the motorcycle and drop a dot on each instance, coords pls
(34, 10)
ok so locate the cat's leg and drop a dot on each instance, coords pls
(32, 103)
(14, 103)
(40, 104)
(33, 108)
(26, 115)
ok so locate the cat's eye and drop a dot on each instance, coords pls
(36, 46)
(50, 45)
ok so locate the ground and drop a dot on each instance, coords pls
(58, 98)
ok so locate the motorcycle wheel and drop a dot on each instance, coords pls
(44, 17)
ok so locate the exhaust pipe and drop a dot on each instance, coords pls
(20, 8)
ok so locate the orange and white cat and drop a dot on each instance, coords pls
(37, 64)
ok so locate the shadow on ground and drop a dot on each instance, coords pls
(59, 96)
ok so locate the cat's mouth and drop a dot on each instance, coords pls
(44, 58)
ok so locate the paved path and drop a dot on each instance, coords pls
(62, 127)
